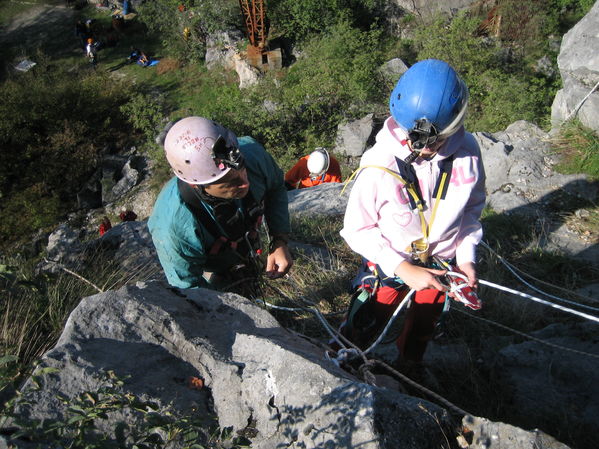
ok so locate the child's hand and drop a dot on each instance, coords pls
(420, 278)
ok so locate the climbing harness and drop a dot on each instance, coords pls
(419, 249)
(234, 225)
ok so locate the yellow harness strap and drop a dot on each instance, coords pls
(426, 227)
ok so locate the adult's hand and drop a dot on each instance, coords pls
(279, 261)
(420, 278)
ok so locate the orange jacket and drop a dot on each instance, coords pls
(299, 176)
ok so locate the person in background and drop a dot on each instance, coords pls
(127, 215)
(206, 220)
(105, 225)
(414, 209)
(316, 168)
(91, 52)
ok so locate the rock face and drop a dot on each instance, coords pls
(424, 8)
(254, 372)
(534, 376)
(578, 63)
(323, 199)
(353, 137)
(221, 50)
(521, 181)
(518, 166)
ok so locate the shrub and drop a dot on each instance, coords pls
(164, 18)
(335, 78)
(145, 113)
(53, 127)
(299, 20)
(149, 425)
(502, 90)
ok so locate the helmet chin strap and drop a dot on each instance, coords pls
(416, 153)
(412, 156)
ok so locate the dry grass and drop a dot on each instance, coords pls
(168, 65)
(35, 307)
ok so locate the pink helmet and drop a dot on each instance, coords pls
(201, 151)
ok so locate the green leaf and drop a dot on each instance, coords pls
(76, 418)
(6, 359)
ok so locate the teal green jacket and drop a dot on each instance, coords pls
(182, 242)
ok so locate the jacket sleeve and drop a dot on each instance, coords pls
(471, 232)
(296, 173)
(276, 209)
(267, 183)
(175, 236)
(360, 229)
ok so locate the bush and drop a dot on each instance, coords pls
(145, 113)
(502, 90)
(53, 127)
(164, 18)
(336, 78)
(298, 20)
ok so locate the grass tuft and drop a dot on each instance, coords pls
(578, 147)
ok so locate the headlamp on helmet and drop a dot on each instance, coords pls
(423, 134)
(226, 156)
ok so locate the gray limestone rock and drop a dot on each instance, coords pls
(578, 62)
(253, 370)
(323, 199)
(352, 137)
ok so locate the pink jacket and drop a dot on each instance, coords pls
(379, 223)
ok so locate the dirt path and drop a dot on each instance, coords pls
(49, 27)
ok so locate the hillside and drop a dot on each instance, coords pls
(542, 217)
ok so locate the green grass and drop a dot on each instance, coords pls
(35, 307)
(578, 150)
(9, 9)
(578, 147)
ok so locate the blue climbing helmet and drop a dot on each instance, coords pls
(429, 102)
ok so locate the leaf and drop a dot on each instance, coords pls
(46, 370)
(6, 359)
(77, 409)
(76, 418)
(90, 398)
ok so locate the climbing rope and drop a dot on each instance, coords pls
(349, 351)
(539, 300)
(401, 305)
(514, 270)
(579, 105)
(449, 405)
(523, 334)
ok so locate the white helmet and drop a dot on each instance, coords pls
(201, 151)
(318, 162)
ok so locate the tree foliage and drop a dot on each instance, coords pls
(298, 20)
(503, 88)
(170, 18)
(336, 78)
(53, 126)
